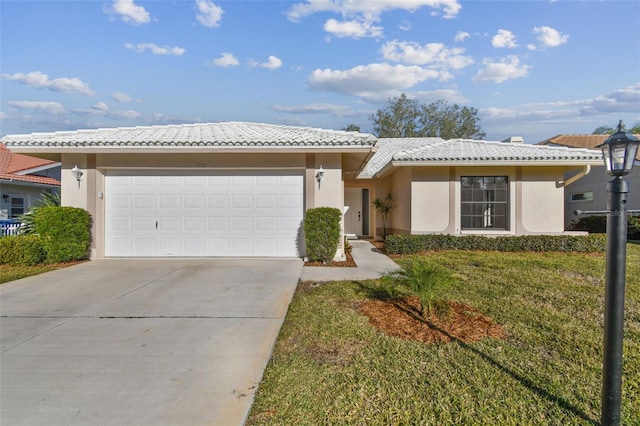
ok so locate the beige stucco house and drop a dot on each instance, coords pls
(241, 189)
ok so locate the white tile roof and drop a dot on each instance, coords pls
(200, 135)
(465, 151)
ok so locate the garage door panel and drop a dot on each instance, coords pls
(211, 213)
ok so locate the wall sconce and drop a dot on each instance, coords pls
(77, 173)
(5, 198)
(320, 176)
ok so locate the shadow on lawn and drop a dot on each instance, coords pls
(375, 292)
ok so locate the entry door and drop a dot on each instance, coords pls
(353, 219)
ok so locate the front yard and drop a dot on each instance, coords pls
(331, 366)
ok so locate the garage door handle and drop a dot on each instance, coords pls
(358, 216)
(156, 224)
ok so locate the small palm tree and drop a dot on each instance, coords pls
(384, 207)
(28, 219)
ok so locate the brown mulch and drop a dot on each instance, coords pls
(349, 263)
(400, 317)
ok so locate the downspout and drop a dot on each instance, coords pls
(585, 171)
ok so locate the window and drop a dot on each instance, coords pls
(484, 202)
(582, 196)
(17, 207)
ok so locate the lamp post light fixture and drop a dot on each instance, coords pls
(619, 152)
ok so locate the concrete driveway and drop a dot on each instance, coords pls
(140, 342)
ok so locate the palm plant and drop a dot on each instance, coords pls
(384, 207)
(28, 219)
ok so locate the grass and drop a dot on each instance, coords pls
(11, 273)
(331, 367)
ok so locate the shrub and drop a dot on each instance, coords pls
(412, 244)
(21, 250)
(322, 233)
(598, 225)
(28, 219)
(427, 280)
(64, 231)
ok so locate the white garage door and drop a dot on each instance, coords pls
(217, 213)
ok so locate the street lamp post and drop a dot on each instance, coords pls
(619, 152)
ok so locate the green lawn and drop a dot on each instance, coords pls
(11, 273)
(331, 367)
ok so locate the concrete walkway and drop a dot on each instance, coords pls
(372, 264)
(140, 341)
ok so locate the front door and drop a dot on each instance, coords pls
(353, 218)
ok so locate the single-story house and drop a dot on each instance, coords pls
(241, 189)
(590, 192)
(23, 179)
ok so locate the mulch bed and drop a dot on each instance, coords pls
(400, 317)
(349, 263)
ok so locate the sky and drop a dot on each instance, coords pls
(531, 68)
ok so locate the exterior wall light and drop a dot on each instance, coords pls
(77, 173)
(320, 176)
(5, 198)
(619, 152)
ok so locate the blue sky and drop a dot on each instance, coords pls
(531, 68)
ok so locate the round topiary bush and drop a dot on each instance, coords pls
(65, 232)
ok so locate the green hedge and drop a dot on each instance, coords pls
(322, 233)
(21, 250)
(64, 231)
(412, 244)
(598, 225)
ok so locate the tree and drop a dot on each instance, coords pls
(352, 128)
(384, 207)
(408, 118)
(609, 130)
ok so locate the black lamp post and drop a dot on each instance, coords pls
(619, 152)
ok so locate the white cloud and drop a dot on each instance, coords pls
(333, 109)
(100, 106)
(225, 60)
(272, 64)
(155, 49)
(353, 29)
(39, 80)
(48, 107)
(550, 37)
(623, 100)
(3, 116)
(209, 14)
(130, 12)
(506, 69)
(435, 54)
(370, 8)
(461, 36)
(373, 80)
(449, 95)
(504, 38)
(123, 97)
(405, 26)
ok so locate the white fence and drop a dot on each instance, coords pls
(9, 227)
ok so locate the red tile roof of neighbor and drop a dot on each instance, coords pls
(579, 141)
(11, 163)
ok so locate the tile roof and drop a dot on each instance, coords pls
(11, 163)
(579, 141)
(199, 135)
(464, 151)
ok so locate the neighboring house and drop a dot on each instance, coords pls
(23, 179)
(241, 189)
(590, 192)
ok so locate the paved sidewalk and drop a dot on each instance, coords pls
(372, 264)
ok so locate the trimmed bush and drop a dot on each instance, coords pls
(412, 244)
(322, 233)
(598, 225)
(64, 231)
(21, 250)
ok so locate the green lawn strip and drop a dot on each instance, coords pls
(11, 273)
(331, 367)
